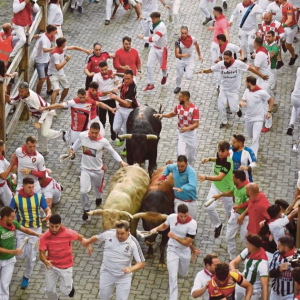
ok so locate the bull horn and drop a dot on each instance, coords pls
(139, 215)
(95, 212)
(128, 215)
(125, 136)
(151, 137)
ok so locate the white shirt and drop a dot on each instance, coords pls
(180, 230)
(49, 190)
(55, 15)
(251, 23)
(56, 59)
(149, 6)
(296, 91)
(255, 105)
(105, 85)
(263, 4)
(17, 6)
(233, 48)
(230, 77)
(159, 37)
(42, 43)
(262, 61)
(262, 269)
(185, 50)
(200, 281)
(277, 227)
(92, 151)
(4, 164)
(33, 162)
(118, 255)
(275, 10)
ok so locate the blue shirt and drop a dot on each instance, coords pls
(187, 181)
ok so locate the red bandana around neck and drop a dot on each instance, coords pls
(97, 139)
(7, 227)
(220, 17)
(188, 219)
(231, 63)
(51, 38)
(262, 49)
(107, 76)
(125, 87)
(187, 42)
(24, 150)
(223, 47)
(242, 184)
(289, 253)
(261, 254)
(23, 194)
(248, 4)
(255, 89)
(1, 157)
(57, 50)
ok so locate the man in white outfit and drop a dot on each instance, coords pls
(33, 102)
(116, 269)
(55, 17)
(247, 12)
(188, 122)
(225, 45)
(183, 230)
(51, 190)
(208, 13)
(275, 9)
(158, 51)
(230, 71)
(5, 169)
(92, 169)
(184, 53)
(22, 19)
(255, 100)
(77, 3)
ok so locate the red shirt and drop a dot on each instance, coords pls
(257, 212)
(94, 106)
(288, 10)
(127, 58)
(92, 61)
(59, 247)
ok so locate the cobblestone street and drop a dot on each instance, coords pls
(277, 168)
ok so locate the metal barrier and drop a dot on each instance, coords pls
(22, 63)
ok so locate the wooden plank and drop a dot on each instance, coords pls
(2, 111)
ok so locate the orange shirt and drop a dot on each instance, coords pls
(288, 10)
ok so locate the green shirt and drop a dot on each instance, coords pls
(7, 240)
(240, 197)
(225, 166)
(273, 48)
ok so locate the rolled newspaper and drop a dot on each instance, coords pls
(25, 241)
(65, 158)
(144, 234)
(209, 202)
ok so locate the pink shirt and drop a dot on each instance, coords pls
(221, 25)
(59, 247)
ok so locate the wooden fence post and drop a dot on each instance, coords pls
(2, 111)
(44, 6)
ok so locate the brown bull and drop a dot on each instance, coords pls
(126, 191)
(157, 204)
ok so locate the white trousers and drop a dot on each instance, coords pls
(211, 210)
(187, 141)
(274, 296)
(78, 2)
(178, 260)
(240, 293)
(120, 120)
(108, 13)
(66, 282)
(215, 53)
(30, 250)
(254, 130)
(247, 38)
(6, 272)
(146, 24)
(71, 136)
(232, 98)
(154, 55)
(184, 66)
(296, 108)
(109, 282)
(174, 11)
(58, 34)
(232, 230)
(272, 81)
(87, 179)
(45, 132)
(20, 32)
(5, 194)
(290, 34)
(203, 7)
(193, 207)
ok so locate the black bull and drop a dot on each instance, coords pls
(143, 130)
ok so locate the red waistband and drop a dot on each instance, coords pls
(2, 184)
(57, 25)
(157, 47)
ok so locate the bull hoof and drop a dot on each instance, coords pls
(162, 266)
(149, 255)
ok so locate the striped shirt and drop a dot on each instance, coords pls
(28, 209)
(283, 284)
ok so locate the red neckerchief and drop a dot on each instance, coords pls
(223, 47)
(24, 151)
(23, 194)
(107, 76)
(242, 184)
(96, 98)
(46, 182)
(187, 42)
(289, 253)
(125, 87)
(97, 139)
(248, 4)
(255, 89)
(11, 227)
(1, 157)
(231, 63)
(51, 38)
(270, 221)
(261, 254)
(188, 219)
(262, 49)
(57, 50)
(220, 17)
(208, 273)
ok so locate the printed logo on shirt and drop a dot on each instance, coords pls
(126, 249)
(33, 159)
(183, 177)
(89, 151)
(110, 240)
